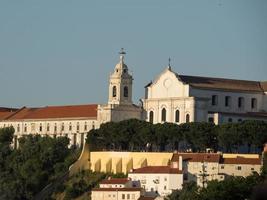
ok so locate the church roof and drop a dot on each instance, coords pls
(50, 112)
(220, 83)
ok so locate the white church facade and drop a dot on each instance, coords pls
(169, 98)
(179, 99)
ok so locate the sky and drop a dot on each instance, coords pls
(61, 52)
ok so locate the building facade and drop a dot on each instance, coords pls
(77, 120)
(117, 189)
(179, 99)
(169, 98)
(158, 180)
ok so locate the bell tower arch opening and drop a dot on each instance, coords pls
(120, 83)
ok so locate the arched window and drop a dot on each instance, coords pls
(114, 91)
(187, 118)
(177, 116)
(151, 116)
(163, 115)
(125, 91)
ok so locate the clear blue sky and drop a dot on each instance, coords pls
(57, 52)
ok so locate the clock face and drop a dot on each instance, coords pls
(167, 83)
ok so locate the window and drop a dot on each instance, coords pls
(128, 196)
(78, 126)
(239, 120)
(163, 115)
(70, 127)
(211, 119)
(25, 127)
(123, 196)
(93, 125)
(151, 116)
(241, 102)
(177, 116)
(187, 118)
(165, 187)
(222, 167)
(85, 126)
(214, 100)
(125, 91)
(227, 101)
(252, 169)
(239, 167)
(114, 91)
(253, 103)
(48, 128)
(55, 128)
(165, 178)
(230, 120)
(62, 127)
(40, 128)
(18, 128)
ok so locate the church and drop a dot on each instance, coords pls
(171, 97)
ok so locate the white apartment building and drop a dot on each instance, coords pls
(161, 180)
(203, 167)
(117, 189)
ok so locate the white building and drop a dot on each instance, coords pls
(203, 167)
(117, 189)
(169, 98)
(160, 180)
(76, 120)
(176, 98)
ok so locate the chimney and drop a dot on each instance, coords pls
(180, 163)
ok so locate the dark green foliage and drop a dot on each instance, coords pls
(37, 162)
(80, 183)
(136, 135)
(233, 188)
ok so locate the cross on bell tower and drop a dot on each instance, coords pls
(120, 83)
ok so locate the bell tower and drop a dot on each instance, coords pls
(120, 83)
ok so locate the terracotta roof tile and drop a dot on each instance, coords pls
(117, 189)
(75, 111)
(197, 157)
(115, 181)
(157, 170)
(4, 115)
(241, 161)
(147, 198)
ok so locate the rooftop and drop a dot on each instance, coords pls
(196, 157)
(115, 181)
(157, 170)
(50, 112)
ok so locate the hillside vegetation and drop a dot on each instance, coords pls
(27, 170)
(136, 135)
